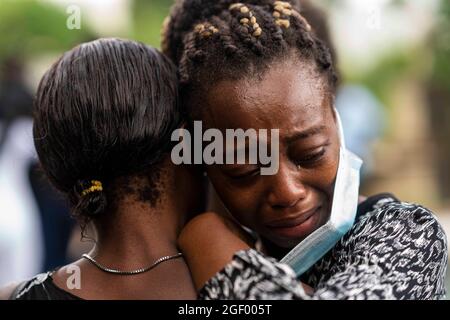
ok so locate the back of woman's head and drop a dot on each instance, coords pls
(105, 110)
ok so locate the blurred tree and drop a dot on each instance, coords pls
(29, 28)
(439, 96)
(441, 45)
(385, 73)
(148, 17)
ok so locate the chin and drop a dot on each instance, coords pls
(287, 243)
(288, 238)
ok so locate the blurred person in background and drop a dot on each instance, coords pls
(57, 225)
(21, 239)
(35, 223)
(31, 210)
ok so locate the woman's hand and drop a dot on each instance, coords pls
(209, 242)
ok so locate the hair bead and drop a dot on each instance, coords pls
(283, 10)
(244, 9)
(283, 4)
(249, 21)
(235, 6)
(205, 31)
(257, 32)
(199, 28)
(283, 23)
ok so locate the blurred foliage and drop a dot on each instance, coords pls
(29, 28)
(148, 17)
(440, 44)
(412, 61)
(381, 78)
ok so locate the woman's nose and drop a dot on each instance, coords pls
(285, 188)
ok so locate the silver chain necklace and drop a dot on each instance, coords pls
(131, 272)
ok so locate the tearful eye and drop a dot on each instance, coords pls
(311, 158)
(242, 174)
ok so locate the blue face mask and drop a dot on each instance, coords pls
(342, 217)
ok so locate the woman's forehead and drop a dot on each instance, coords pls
(286, 96)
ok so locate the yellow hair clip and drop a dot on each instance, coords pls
(95, 186)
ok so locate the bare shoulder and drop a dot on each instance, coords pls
(7, 291)
(210, 226)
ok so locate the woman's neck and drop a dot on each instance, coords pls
(137, 234)
(134, 236)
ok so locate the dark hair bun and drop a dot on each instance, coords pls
(88, 203)
(105, 109)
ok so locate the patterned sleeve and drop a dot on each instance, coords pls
(253, 276)
(399, 252)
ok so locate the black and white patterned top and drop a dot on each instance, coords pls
(395, 250)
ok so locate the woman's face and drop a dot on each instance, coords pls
(286, 207)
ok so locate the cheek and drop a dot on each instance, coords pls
(327, 174)
(242, 203)
(323, 177)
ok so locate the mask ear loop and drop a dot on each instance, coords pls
(340, 128)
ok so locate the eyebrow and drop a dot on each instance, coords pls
(306, 133)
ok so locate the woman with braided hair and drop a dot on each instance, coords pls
(259, 64)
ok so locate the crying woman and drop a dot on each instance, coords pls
(303, 232)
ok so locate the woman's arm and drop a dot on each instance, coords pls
(209, 242)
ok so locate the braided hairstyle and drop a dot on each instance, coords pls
(213, 40)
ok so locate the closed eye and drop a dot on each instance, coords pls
(312, 158)
(245, 174)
